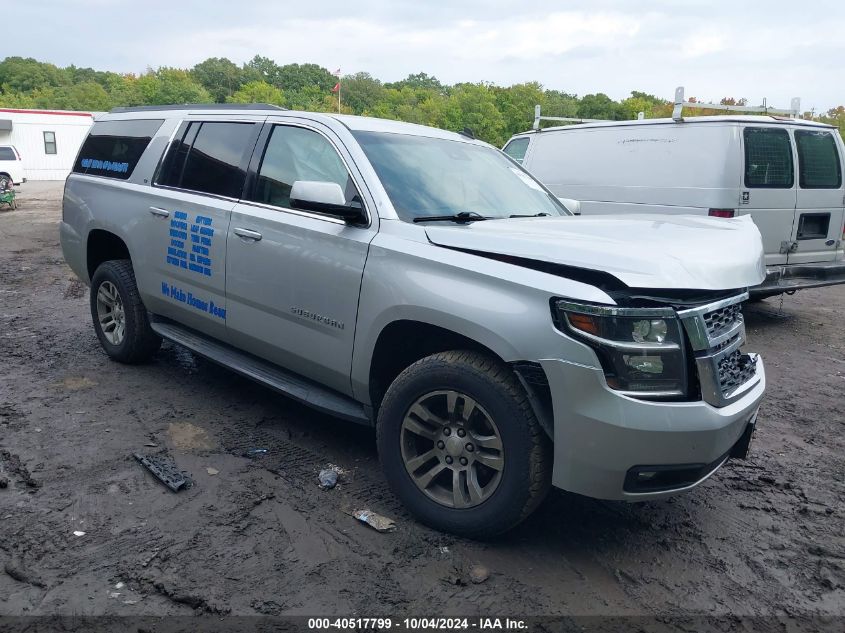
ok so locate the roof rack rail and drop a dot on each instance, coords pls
(197, 106)
(677, 113)
(564, 119)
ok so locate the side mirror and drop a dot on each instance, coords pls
(325, 197)
(573, 205)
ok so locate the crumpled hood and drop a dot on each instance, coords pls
(642, 251)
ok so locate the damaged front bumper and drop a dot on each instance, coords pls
(603, 440)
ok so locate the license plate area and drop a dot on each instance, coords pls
(813, 226)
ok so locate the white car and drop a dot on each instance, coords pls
(11, 164)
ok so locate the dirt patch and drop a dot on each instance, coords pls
(187, 437)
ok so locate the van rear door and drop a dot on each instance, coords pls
(769, 191)
(820, 210)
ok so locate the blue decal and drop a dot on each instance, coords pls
(105, 165)
(188, 298)
(201, 232)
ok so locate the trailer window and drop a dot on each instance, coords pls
(768, 158)
(49, 142)
(818, 160)
(113, 148)
(516, 149)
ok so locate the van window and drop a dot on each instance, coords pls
(113, 148)
(209, 157)
(7, 153)
(818, 160)
(295, 153)
(768, 158)
(516, 149)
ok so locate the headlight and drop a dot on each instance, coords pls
(640, 349)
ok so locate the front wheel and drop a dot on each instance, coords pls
(460, 444)
(120, 318)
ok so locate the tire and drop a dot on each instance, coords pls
(524, 461)
(115, 279)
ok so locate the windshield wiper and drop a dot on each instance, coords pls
(530, 215)
(463, 217)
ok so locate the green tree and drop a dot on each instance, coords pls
(419, 81)
(18, 74)
(220, 76)
(600, 106)
(300, 76)
(361, 92)
(88, 95)
(171, 86)
(258, 92)
(473, 106)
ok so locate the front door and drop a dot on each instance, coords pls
(769, 188)
(817, 231)
(294, 277)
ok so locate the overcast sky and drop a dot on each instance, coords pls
(715, 48)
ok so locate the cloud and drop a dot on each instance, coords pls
(715, 48)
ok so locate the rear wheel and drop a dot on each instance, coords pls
(461, 446)
(120, 318)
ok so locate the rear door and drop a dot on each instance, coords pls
(817, 231)
(186, 219)
(769, 188)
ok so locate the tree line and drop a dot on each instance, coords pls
(492, 112)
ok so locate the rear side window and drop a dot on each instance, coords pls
(209, 157)
(7, 153)
(768, 158)
(818, 160)
(516, 149)
(113, 148)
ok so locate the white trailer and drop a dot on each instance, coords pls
(47, 140)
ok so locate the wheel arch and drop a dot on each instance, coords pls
(102, 246)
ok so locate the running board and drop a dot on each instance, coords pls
(287, 383)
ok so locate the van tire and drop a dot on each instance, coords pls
(526, 455)
(138, 343)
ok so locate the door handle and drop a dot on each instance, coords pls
(162, 213)
(247, 234)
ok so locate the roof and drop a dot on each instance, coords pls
(46, 112)
(351, 122)
(698, 120)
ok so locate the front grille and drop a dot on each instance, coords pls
(722, 320)
(734, 370)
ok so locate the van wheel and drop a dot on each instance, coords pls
(120, 319)
(460, 444)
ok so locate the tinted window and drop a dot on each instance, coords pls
(818, 160)
(516, 149)
(215, 162)
(113, 148)
(293, 154)
(6, 153)
(768, 158)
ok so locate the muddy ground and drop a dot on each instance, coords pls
(255, 535)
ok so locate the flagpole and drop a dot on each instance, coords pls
(338, 95)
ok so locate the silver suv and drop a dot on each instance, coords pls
(422, 282)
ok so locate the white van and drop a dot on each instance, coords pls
(785, 173)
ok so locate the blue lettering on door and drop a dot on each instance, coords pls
(201, 233)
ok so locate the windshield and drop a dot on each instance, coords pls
(437, 177)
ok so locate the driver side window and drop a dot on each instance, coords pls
(295, 153)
